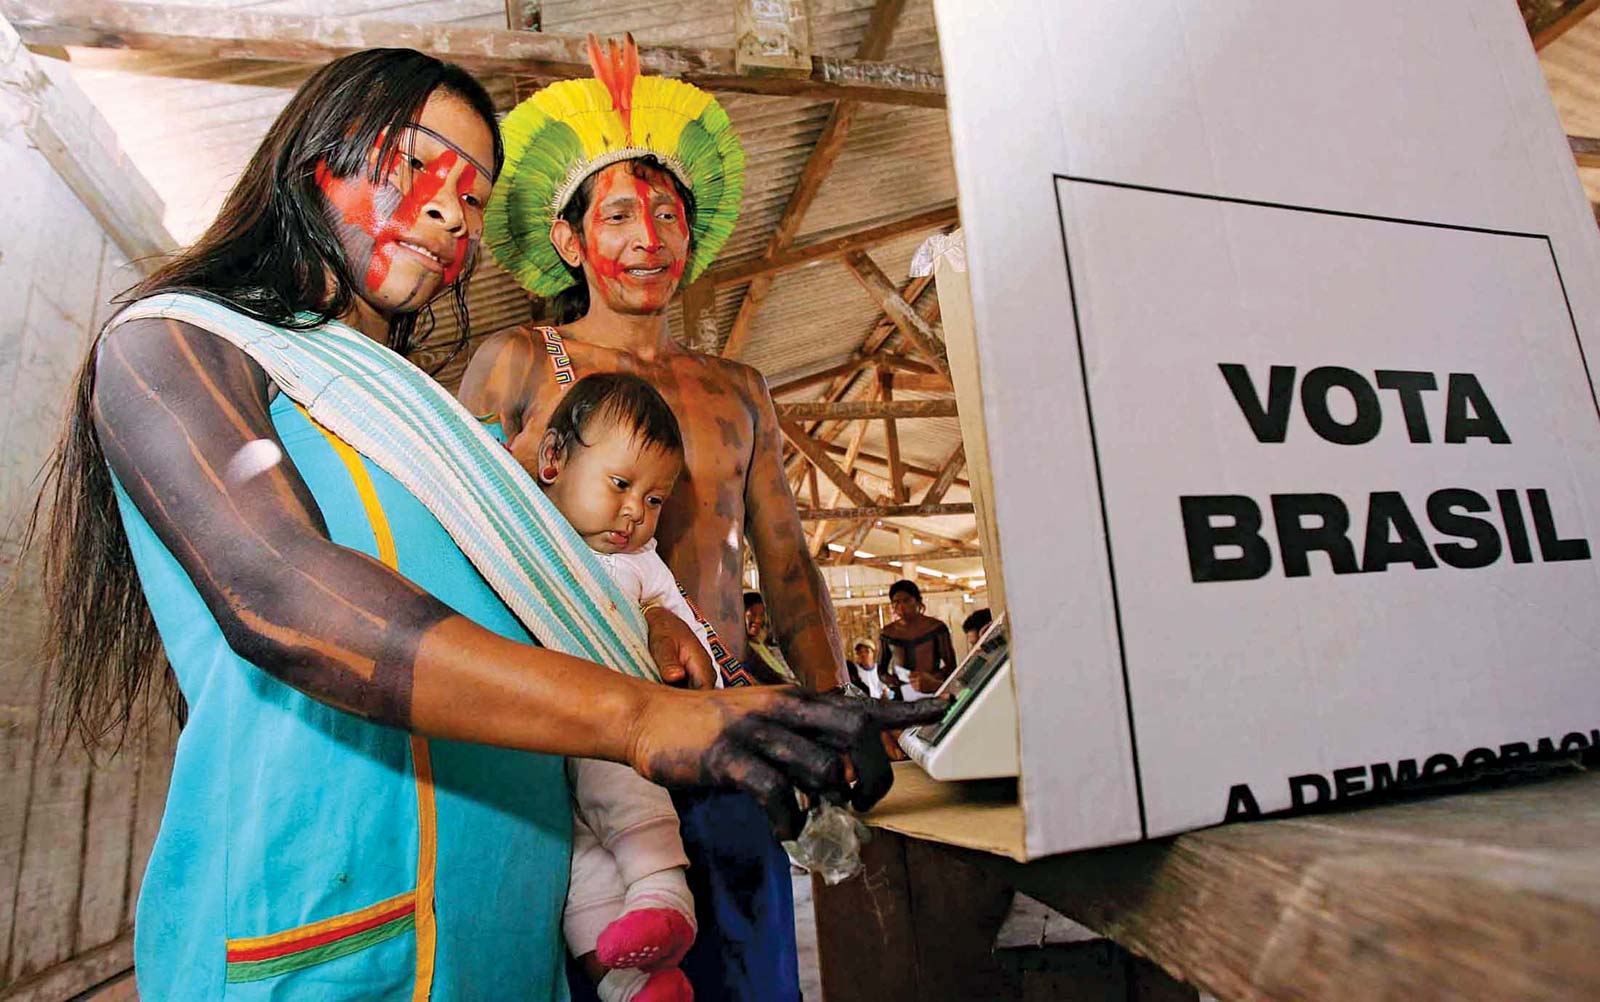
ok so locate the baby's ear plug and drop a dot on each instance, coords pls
(650, 939)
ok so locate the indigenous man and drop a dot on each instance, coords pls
(617, 191)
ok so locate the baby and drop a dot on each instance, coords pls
(610, 456)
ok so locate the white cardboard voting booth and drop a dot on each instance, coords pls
(1285, 318)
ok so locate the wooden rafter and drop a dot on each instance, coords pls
(880, 465)
(859, 536)
(851, 455)
(885, 14)
(848, 367)
(832, 247)
(1548, 20)
(941, 553)
(924, 382)
(873, 512)
(946, 477)
(62, 124)
(885, 328)
(910, 324)
(212, 33)
(820, 460)
(1585, 150)
(853, 410)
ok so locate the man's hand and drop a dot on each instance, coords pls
(925, 681)
(771, 742)
(677, 652)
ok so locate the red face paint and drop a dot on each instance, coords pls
(464, 245)
(607, 245)
(358, 202)
(642, 189)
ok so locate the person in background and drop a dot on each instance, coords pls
(766, 661)
(974, 625)
(915, 652)
(863, 674)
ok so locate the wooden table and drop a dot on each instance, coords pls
(1490, 894)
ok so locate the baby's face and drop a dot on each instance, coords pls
(612, 489)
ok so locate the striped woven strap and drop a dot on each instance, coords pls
(394, 414)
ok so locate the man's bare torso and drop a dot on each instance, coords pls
(717, 409)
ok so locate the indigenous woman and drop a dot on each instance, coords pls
(915, 653)
(367, 800)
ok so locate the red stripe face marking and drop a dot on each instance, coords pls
(465, 248)
(385, 215)
(611, 246)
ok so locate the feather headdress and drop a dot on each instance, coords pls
(568, 131)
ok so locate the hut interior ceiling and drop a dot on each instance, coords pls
(189, 123)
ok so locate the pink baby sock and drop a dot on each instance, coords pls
(656, 927)
(650, 939)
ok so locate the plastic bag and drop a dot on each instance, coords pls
(830, 843)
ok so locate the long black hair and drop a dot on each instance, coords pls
(572, 302)
(271, 253)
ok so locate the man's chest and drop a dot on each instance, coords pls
(716, 420)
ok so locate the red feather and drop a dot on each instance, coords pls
(617, 68)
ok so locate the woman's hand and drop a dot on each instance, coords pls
(677, 652)
(770, 742)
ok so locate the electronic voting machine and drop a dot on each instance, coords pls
(977, 739)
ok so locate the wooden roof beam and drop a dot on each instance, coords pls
(63, 125)
(818, 455)
(855, 410)
(874, 512)
(882, 463)
(885, 14)
(849, 367)
(796, 257)
(941, 553)
(242, 33)
(916, 330)
(947, 476)
(1548, 20)
(1585, 150)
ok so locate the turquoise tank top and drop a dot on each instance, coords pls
(306, 853)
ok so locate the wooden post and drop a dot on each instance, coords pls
(891, 437)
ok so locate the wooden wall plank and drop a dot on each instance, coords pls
(158, 739)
